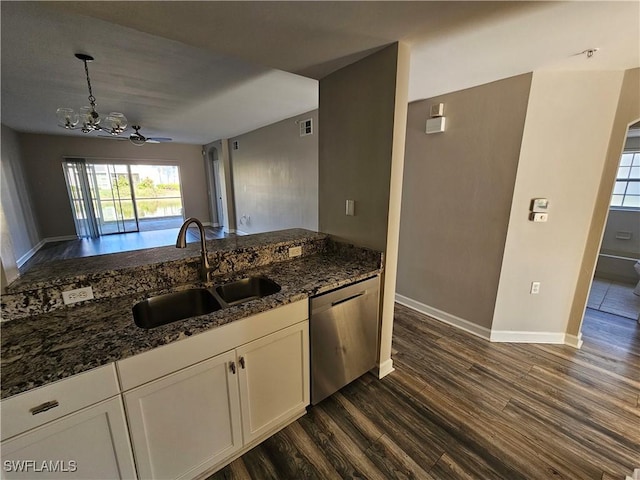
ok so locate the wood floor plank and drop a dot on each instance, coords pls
(348, 459)
(499, 443)
(448, 469)
(311, 451)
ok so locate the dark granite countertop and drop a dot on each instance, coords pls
(40, 349)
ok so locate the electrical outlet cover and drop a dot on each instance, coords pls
(77, 295)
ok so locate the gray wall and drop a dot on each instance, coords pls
(357, 106)
(16, 204)
(43, 156)
(457, 193)
(275, 177)
(622, 221)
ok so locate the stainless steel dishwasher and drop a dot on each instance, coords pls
(344, 336)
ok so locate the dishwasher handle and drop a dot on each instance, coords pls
(355, 291)
(352, 297)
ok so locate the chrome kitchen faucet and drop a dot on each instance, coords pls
(181, 242)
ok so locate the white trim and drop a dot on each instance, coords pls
(239, 232)
(24, 258)
(573, 341)
(207, 224)
(482, 332)
(512, 336)
(63, 238)
(384, 369)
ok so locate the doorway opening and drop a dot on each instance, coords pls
(217, 201)
(616, 283)
(110, 198)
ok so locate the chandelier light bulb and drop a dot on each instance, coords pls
(89, 119)
(115, 123)
(67, 118)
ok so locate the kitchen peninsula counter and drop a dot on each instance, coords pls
(46, 347)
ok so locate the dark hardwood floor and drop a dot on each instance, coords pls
(459, 407)
(120, 242)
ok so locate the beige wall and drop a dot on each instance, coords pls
(20, 226)
(627, 112)
(275, 177)
(356, 137)
(456, 198)
(568, 125)
(43, 155)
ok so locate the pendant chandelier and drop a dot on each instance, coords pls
(87, 119)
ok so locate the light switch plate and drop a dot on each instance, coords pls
(538, 217)
(350, 208)
(77, 295)
(535, 288)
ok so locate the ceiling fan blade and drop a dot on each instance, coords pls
(159, 139)
(113, 137)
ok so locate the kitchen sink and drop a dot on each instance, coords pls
(246, 289)
(164, 309)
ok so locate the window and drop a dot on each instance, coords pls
(626, 192)
(119, 198)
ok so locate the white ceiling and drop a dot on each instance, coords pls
(201, 71)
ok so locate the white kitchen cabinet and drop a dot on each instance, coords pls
(274, 380)
(90, 443)
(186, 422)
(195, 420)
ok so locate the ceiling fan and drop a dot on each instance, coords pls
(138, 139)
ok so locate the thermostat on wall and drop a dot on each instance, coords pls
(539, 205)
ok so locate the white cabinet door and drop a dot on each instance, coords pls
(186, 422)
(91, 443)
(274, 380)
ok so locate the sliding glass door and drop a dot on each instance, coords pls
(113, 193)
(82, 203)
(109, 198)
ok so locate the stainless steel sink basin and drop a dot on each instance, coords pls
(247, 289)
(164, 309)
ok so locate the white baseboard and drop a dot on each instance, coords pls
(384, 369)
(573, 341)
(24, 258)
(445, 317)
(240, 232)
(512, 336)
(63, 238)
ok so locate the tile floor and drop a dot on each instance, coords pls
(614, 297)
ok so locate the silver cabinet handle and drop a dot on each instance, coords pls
(44, 407)
(232, 367)
(241, 362)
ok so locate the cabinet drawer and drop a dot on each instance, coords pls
(36, 407)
